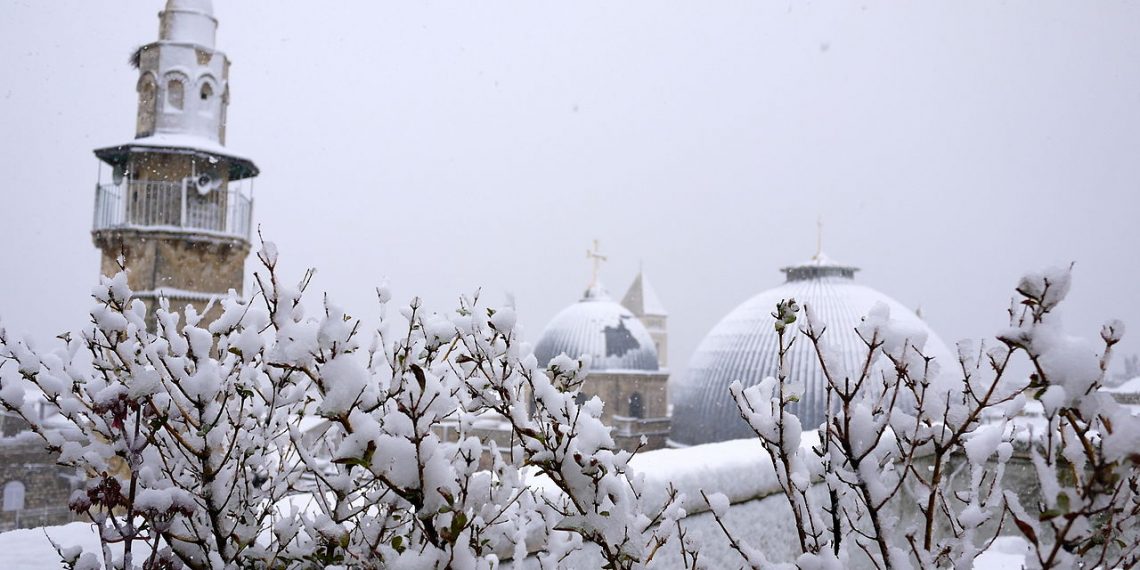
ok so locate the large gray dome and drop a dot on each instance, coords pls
(599, 327)
(744, 346)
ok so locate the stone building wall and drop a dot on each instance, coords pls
(615, 388)
(46, 485)
(658, 331)
(175, 261)
(178, 263)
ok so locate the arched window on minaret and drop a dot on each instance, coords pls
(636, 406)
(175, 92)
(148, 103)
(207, 103)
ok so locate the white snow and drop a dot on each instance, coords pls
(718, 503)
(183, 141)
(983, 442)
(765, 522)
(1006, 553)
(1127, 387)
(30, 549)
(739, 469)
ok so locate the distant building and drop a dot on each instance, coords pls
(178, 204)
(625, 346)
(33, 489)
(625, 369)
(1127, 393)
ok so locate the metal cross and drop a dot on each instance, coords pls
(597, 257)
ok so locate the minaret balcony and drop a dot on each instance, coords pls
(186, 206)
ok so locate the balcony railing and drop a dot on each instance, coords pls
(172, 206)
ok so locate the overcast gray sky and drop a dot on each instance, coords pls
(455, 145)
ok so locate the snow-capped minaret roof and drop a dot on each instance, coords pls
(642, 299)
(184, 92)
(188, 22)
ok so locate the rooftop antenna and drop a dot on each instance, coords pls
(818, 238)
(597, 257)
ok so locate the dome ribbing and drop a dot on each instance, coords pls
(744, 346)
(599, 327)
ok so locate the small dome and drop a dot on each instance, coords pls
(744, 346)
(597, 326)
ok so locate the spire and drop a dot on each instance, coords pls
(641, 299)
(820, 265)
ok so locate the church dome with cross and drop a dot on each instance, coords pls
(609, 333)
(626, 346)
(598, 327)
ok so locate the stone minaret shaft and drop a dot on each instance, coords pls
(178, 204)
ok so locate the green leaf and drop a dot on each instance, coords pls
(357, 461)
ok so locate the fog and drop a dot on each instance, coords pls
(454, 146)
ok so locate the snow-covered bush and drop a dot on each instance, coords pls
(276, 437)
(912, 455)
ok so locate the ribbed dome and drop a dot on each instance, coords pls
(744, 346)
(599, 327)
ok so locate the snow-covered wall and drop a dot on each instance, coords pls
(739, 469)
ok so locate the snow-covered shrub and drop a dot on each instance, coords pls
(913, 453)
(276, 437)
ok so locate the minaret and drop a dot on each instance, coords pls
(178, 204)
(642, 301)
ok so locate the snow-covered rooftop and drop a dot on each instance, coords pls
(240, 166)
(1127, 387)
